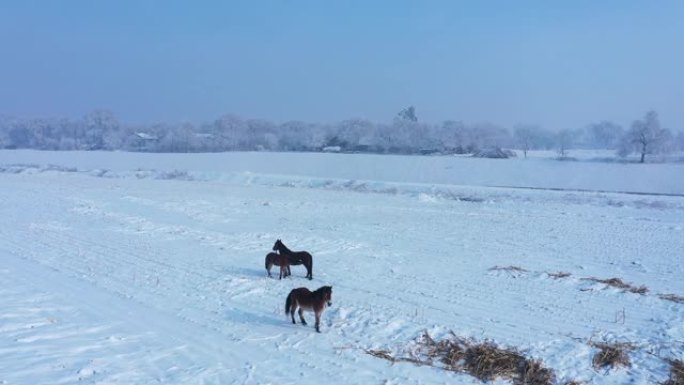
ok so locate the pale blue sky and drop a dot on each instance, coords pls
(559, 64)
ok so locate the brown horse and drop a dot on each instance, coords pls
(278, 260)
(296, 257)
(304, 299)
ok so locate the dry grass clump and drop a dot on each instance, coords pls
(611, 355)
(449, 351)
(639, 290)
(483, 360)
(487, 362)
(512, 270)
(384, 354)
(676, 372)
(508, 268)
(618, 283)
(559, 274)
(672, 297)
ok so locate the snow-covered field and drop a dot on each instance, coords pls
(121, 268)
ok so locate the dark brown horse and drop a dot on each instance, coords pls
(304, 299)
(278, 260)
(296, 257)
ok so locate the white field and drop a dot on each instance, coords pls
(115, 269)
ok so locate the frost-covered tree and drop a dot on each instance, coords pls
(523, 136)
(98, 124)
(5, 122)
(62, 134)
(73, 135)
(645, 137)
(565, 139)
(229, 130)
(261, 135)
(542, 138)
(41, 134)
(170, 138)
(679, 141)
(385, 137)
(4, 139)
(406, 132)
(401, 135)
(19, 136)
(604, 135)
(408, 114)
(487, 135)
(296, 136)
(453, 136)
(421, 139)
(349, 134)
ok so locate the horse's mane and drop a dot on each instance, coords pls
(285, 248)
(322, 290)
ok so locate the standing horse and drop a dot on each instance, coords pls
(304, 299)
(296, 257)
(278, 260)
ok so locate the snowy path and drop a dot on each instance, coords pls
(146, 281)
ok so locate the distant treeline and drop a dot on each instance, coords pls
(100, 130)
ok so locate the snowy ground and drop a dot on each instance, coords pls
(119, 270)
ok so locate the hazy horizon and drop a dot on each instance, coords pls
(559, 65)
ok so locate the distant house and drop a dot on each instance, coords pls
(143, 141)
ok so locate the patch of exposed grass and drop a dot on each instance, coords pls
(559, 274)
(639, 290)
(511, 268)
(676, 372)
(611, 355)
(470, 199)
(672, 297)
(449, 351)
(387, 355)
(175, 175)
(487, 362)
(484, 360)
(384, 354)
(618, 283)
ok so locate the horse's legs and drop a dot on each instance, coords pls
(301, 316)
(292, 311)
(318, 321)
(309, 273)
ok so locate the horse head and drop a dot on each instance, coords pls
(327, 295)
(277, 245)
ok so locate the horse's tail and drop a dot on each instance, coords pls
(288, 303)
(266, 262)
